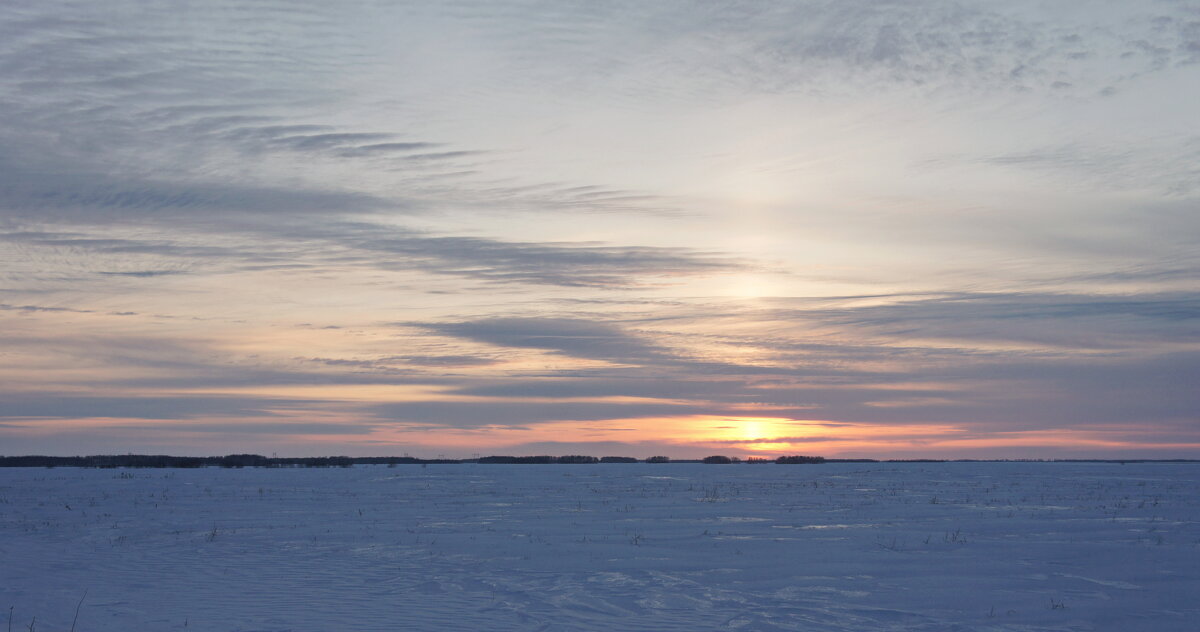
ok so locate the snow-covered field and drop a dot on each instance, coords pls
(951, 546)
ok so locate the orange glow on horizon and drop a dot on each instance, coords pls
(686, 436)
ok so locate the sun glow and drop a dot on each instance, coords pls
(751, 429)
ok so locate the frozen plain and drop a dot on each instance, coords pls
(887, 546)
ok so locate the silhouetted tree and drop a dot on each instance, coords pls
(794, 460)
(577, 458)
(498, 459)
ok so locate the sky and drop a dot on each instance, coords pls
(918, 229)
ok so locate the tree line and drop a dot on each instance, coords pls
(162, 460)
(258, 460)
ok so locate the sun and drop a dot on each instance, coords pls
(752, 430)
(754, 434)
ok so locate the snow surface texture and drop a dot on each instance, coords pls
(955, 546)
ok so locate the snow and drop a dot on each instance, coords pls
(888, 546)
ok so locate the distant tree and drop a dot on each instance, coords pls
(794, 460)
(758, 459)
(717, 459)
(243, 460)
(659, 459)
(577, 458)
(617, 459)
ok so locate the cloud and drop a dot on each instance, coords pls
(326, 141)
(65, 406)
(1063, 320)
(637, 449)
(101, 198)
(502, 413)
(594, 385)
(390, 248)
(41, 308)
(148, 362)
(1167, 166)
(446, 361)
(392, 363)
(717, 49)
(787, 439)
(553, 263)
(386, 148)
(109, 245)
(143, 273)
(572, 337)
(1085, 359)
(277, 429)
